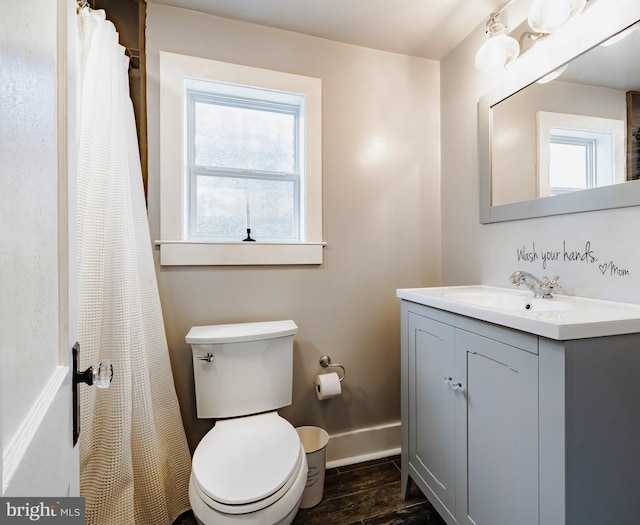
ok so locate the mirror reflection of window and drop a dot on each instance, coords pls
(578, 152)
(580, 160)
(570, 166)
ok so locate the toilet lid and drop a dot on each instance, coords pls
(247, 459)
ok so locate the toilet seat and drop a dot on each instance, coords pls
(246, 464)
(282, 512)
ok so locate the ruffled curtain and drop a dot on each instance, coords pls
(134, 458)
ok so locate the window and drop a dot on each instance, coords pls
(241, 148)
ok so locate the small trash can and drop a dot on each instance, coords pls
(314, 440)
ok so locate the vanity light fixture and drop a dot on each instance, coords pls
(545, 16)
(500, 49)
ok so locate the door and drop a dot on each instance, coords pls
(497, 463)
(432, 406)
(37, 256)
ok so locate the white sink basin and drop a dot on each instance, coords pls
(563, 317)
(507, 301)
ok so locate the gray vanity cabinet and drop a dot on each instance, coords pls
(497, 446)
(503, 427)
(432, 406)
(471, 421)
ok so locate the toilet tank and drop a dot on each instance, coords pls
(250, 369)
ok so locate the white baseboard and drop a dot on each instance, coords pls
(363, 444)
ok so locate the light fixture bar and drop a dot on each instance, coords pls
(499, 11)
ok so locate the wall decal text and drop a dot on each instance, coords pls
(580, 255)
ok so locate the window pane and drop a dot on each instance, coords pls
(244, 138)
(568, 166)
(221, 208)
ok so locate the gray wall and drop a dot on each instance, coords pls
(381, 218)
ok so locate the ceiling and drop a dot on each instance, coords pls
(422, 28)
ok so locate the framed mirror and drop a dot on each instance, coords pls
(561, 134)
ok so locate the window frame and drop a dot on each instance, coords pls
(175, 246)
(248, 97)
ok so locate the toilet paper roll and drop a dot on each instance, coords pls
(328, 385)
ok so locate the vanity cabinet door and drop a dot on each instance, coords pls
(432, 407)
(497, 439)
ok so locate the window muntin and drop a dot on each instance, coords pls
(245, 147)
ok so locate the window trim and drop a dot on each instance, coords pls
(175, 250)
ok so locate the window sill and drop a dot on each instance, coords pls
(189, 253)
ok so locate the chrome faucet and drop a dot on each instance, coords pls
(540, 288)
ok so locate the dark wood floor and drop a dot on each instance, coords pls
(368, 494)
(364, 494)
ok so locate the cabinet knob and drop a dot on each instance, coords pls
(447, 379)
(457, 385)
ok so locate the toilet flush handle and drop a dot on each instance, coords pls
(208, 358)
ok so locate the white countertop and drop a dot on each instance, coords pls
(563, 317)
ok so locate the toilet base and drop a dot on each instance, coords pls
(287, 520)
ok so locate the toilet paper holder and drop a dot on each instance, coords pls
(325, 361)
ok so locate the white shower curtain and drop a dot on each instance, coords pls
(134, 459)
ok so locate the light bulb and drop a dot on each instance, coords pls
(496, 53)
(546, 16)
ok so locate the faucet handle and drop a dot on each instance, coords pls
(550, 284)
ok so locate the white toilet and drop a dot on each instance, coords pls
(250, 468)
